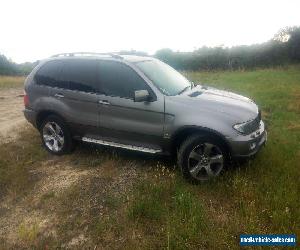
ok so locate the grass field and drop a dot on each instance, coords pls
(11, 81)
(126, 200)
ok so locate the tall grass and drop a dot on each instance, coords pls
(11, 81)
(17, 159)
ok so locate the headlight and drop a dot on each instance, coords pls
(248, 127)
(240, 127)
(245, 128)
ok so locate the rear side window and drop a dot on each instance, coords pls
(80, 75)
(118, 79)
(49, 74)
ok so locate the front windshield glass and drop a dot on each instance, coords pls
(167, 79)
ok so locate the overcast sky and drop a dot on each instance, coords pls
(35, 29)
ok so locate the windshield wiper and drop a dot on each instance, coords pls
(185, 89)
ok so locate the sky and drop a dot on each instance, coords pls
(35, 29)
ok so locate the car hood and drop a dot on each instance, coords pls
(239, 107)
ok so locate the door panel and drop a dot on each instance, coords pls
(126, 121)
(80, 110)
(121, 119)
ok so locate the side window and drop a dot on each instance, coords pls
(80, 75)
(118, 79)
(49, 74)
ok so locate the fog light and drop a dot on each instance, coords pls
(252, 145)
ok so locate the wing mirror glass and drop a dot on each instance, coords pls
(141, 96)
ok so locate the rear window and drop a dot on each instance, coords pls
(79, 75)
(49, 74)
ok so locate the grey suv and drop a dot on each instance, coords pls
(142, 104)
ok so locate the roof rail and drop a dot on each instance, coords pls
(113, 55)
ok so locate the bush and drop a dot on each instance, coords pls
(283, 49)
(9, 68)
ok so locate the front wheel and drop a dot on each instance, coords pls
(56, 136)
(201, 157)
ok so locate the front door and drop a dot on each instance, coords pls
(122, 119)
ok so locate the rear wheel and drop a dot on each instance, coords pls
(201, 157)
(56, 136)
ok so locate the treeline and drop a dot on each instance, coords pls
(7, 67)
(282, 49)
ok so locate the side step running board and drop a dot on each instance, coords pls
(119, 145)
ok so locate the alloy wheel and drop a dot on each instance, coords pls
(53, 136)
(205, 161)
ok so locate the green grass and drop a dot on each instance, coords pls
(28, 234)
(266, 192)
(162, 210)
(169, 214)
(16, 162)
(11, 81)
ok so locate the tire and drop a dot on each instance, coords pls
(56, 136)
(202, 157)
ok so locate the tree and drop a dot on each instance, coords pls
(282, 49)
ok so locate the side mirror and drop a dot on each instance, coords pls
(141, 96)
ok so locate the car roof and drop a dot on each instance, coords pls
(134, 58)
(105, 56)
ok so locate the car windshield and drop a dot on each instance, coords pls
(167, 79)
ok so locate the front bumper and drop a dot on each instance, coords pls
(246, 146)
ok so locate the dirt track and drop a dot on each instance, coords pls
(28, 219)
(11, 116)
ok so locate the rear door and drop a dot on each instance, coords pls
(121, 118)
(74, 95)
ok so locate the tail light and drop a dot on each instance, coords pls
(26, 99)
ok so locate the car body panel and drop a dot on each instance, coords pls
(125, 120)
(152, 124)
(79, 109)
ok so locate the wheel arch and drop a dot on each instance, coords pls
(181, 134)
(41, 116)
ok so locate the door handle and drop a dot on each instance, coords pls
(104, 102)
(59, 95)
